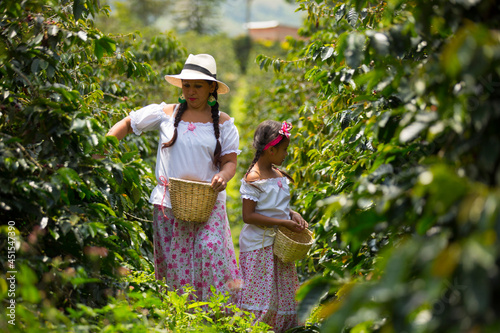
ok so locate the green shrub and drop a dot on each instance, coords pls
(396, 162)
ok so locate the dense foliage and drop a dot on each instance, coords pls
(53, 112)
(397, 162)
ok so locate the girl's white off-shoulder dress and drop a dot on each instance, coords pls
(269, 285)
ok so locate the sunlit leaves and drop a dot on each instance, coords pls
(326, 52)
(104, 45)
(78, 8)
(395, 144)
(470, 51)
(63, 84)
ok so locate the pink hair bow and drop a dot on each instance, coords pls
(285, 129)
(284, 132)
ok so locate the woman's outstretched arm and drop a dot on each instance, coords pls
(121, 129)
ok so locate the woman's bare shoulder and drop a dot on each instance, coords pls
(169, 109)
(223, 117)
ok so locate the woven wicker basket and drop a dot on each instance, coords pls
(191, 200)
(290, 246)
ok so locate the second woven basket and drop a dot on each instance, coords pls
(290, 246)
(191, 200)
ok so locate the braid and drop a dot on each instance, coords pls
(178, 116)
(255, 159)
(215, 119)
(284, 173)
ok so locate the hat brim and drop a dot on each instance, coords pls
(176, 80)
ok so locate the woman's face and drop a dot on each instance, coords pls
(197, 92)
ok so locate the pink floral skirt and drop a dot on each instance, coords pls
(269, 288)
(196, 254)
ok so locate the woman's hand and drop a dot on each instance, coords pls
(219, 183)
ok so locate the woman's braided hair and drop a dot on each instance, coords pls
(215, 119)
(266, 132)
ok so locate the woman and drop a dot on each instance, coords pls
(197, 142)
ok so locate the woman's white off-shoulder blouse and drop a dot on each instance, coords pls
(273, 199)
(192, 154)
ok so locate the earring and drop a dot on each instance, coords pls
(211, 100)
(182, 99)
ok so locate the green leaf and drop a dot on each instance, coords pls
(326, 53)
(131, 175)
(352, 17)
(277, 65)
(197, 304)
(35, 66)
(380, 42)
(78, 8)
(69, 176)
(79, 125)
(103, 208)
(339, 14)
(108, 44)
(51, 71)
(98, 49)
(354, 50)
(411, 131)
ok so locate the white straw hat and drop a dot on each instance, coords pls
(198, 67)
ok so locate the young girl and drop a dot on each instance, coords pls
(269, 284)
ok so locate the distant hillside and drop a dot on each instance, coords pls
(233, 17)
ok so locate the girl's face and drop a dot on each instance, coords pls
(279, 152)
(197, 92)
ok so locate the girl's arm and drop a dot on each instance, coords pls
(121, 128)
(251, 217)
(226, 173)
(298, 218)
